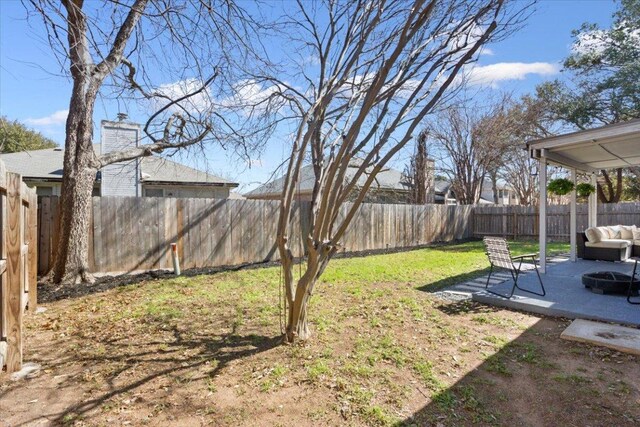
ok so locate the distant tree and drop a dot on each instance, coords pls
(14, 137)
(419, 173)
(469, 141)
(605, 82)
(527, 119)
(631, 190)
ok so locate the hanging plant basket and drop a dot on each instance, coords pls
(585, 189)
(560, 186)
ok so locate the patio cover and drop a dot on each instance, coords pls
(606, 147)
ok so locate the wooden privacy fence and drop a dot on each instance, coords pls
(18, 264)
(129, 234)
(522, 222)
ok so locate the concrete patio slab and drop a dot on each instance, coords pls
(613, 336)
(566, 295)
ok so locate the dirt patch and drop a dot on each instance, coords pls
(206, 350)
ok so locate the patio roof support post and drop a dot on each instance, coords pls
(593, 203)
(573, 218)
(543, 211)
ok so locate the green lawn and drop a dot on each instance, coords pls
(207, 350)
(430, 269)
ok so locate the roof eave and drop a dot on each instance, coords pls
(193, 183)
(617, 130)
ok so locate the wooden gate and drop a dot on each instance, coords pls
(18, 263)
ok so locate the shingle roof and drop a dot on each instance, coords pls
(387, 179)
(441, 185)
(47, 164)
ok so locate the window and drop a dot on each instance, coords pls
(44, 191)
(153, 192)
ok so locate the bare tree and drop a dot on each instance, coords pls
(527, 119)
(521, 172)
(379, 68)
(471, 140)
(420, 173)
(177, 57)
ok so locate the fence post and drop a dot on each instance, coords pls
(33, 252)
(14, 293)
(503, 214)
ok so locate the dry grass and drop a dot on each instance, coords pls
(206, 351)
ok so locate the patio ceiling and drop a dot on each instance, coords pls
(606, 147)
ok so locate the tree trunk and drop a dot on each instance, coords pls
(71, 263)
(297, 324)
(613, 194)
(298, 296)
(494, 185)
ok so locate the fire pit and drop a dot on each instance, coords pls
(609, 282)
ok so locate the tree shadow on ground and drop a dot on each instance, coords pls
(445, 282)
(197, 356)
(48, 293)
(538, 379)
(466, 306)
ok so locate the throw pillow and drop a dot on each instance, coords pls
(626, 232)
(604, 232)
(636, 234)
(614, 232)
(593, 235)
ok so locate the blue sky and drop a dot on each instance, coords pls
(33, 93)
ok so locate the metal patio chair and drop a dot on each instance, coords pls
(499, 256)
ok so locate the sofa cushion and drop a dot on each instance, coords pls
(636, 234)
(594, 235)
(604, 232)
(626, 232)
(614, 232)
(611, 243)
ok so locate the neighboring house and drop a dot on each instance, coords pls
(159, 177)
(390, 186)
(445, 195)
(507, 195)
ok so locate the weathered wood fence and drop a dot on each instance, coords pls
(129, 234)
(18, 264)
(521, 222)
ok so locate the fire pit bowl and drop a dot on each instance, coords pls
(609, 282)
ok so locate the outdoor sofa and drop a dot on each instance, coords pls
(609, 243)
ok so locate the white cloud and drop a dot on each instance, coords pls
(250, 97)
(487, 52)
(57, 118)
(198, 103)
(251, 93)
(493, 74)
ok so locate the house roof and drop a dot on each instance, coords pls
(388, 179)
(442, 187)
(47, 165)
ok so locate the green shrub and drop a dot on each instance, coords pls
(560, 186)
(585, 189)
